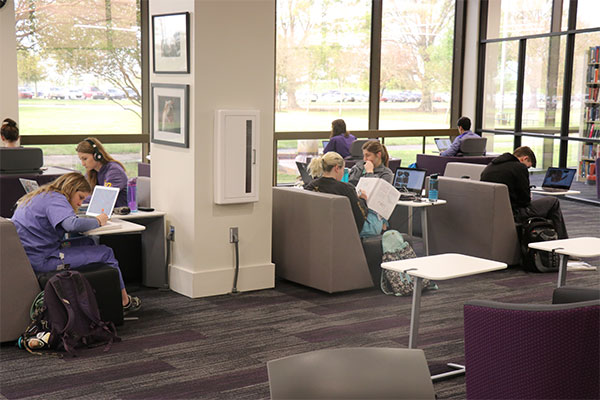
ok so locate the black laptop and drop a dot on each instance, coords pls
(303, 169)
(558, 179)
(409, 181)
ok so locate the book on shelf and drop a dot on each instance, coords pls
(381, 196)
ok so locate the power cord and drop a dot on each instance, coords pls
(235, 240)
(170, 239)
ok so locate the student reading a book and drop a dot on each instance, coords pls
(102, 169)
(340, 139)
(374, 163)
(330, 169)
(44, 216)
(9, 133)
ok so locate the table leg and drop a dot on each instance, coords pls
(562, 269)
(415, 313)
(424, 229)
(410, 222)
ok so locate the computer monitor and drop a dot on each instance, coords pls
(409, 180)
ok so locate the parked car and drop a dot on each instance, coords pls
(132, 94)
(75, 94)
(115, 94)
(57, 93)
(94, 93)
(25, 93)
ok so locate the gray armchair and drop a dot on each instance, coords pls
(351, 373)
(473, 146)
(463, 170)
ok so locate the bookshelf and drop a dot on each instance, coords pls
(590, 121)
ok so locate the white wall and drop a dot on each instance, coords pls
(233, 61)
(9, 98)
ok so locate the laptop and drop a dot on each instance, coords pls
(29, 185)
(302, 168)
(442, 143)
(103, 201)
(409, 181)
(325, 143)
(558, 179)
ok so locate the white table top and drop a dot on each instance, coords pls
(444, 266)
(576, 247)
(140, 214)
(546, 193)
(423, 203)
(124, 227)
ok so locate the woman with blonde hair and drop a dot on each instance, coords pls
(102, 168)
(44, 216)
(330, 169)
(374, 163)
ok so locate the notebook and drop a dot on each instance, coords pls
(103, 201)
(409, 180)
(442, 143)
(302, 168)
(558, 179)
(29, 185)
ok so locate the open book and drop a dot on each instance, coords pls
(108, 227)
(381, 196)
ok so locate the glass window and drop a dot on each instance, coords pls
(416, 64)
(79, 66)
(584, 97)
(500, 89)
(543, 84)
(588, 14)
(510, 18)
(322, 64)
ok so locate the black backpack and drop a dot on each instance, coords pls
(70, 314)
(537, 229)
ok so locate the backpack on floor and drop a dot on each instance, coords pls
(395, 282)
(69, 317)
(537, 229)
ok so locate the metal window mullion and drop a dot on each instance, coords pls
(460, 16)
(483, 18)
(375, 63)
(520, 84)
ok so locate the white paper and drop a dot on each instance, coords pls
(381, 196)
(108, 227)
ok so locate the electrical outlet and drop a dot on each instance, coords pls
(233, 235)
(171, 235)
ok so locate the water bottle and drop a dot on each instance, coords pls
(346, 173)
(433, 187)
(131, 195)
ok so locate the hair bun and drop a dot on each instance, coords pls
(9, 122)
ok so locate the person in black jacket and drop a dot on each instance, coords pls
(512, 170)
(330, 169)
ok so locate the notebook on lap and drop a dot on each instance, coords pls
(409, 181)
(442, 143)
(558, 179)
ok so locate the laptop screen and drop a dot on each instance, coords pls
(409, 179)
(559, 178)
(325, 143)
(302, 168)
(442, 143)
(29, 185)
(103, 201)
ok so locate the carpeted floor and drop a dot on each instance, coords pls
(217, 348)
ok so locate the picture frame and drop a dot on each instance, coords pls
(171, 43)
(170, 114)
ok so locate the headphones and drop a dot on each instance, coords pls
(97, 155)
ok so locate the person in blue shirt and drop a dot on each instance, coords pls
(44, 216)
(102, 169)
(464, 126)
(340, 139)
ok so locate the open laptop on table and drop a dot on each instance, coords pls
(409, 182)
(442, 144)
(103, 201)
(302, 168)
(29, 185)
(558, 179)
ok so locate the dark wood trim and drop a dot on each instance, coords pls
(74, 139)
(370, 134)
(543, 35)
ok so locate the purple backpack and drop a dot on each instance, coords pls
(73, 316)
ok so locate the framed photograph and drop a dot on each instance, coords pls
(170, 114)
(171, 41)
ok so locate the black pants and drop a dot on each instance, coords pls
(546, 207)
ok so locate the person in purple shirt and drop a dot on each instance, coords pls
(44, 216)
(102, 169)
(464, 126)
(340, 139)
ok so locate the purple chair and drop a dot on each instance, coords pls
(435, 164)
(528, 351)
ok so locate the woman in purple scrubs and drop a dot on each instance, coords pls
(44, 216)
(102, 169)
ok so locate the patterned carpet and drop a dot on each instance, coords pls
(217, 348)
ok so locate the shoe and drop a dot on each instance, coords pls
(133, 305)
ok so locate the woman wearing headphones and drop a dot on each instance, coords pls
(102, 169)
